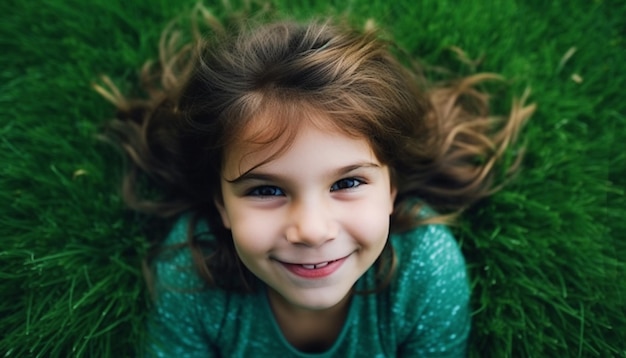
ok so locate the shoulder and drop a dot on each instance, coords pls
(173, 266)
(428, 247)
(175, 276)
(430, 264)
(431, 288)
(182, 300)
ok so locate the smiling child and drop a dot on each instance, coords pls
(306, 169)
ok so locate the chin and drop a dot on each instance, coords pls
(319, 301)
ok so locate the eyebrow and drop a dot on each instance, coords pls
(260, 176)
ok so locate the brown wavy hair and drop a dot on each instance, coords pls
(441, 143)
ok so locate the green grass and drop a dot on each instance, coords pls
(546, 255)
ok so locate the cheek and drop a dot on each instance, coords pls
(371, 224)
(252, 233)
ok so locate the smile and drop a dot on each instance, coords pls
(314, 271)
(316, 266)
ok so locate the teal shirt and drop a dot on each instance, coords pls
(424, 312)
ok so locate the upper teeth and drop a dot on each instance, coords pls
(314, 266)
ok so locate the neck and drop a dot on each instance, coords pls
(309, 330)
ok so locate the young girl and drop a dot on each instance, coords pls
(306, 169)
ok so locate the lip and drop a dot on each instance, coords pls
(319, 270)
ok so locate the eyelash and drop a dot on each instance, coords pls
(258, 191)
(262, 191)
(355, 183)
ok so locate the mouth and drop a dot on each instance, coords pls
(316, 266)
(312, 266)
(316, 270)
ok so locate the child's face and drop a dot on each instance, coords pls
(311, 221)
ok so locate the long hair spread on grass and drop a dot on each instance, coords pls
(439, 140)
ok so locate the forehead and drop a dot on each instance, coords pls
(274, 120)
(272, 135)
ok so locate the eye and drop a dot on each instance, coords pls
(347, 183)
(266, 190)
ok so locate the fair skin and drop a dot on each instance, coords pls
(308, 223)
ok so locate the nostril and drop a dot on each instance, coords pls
(291, 234)
(310, 235)
(311, 223)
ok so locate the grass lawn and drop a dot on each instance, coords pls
(547, 255)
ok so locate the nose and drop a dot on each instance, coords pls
(311, 224)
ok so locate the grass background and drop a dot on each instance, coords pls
(547, 255)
